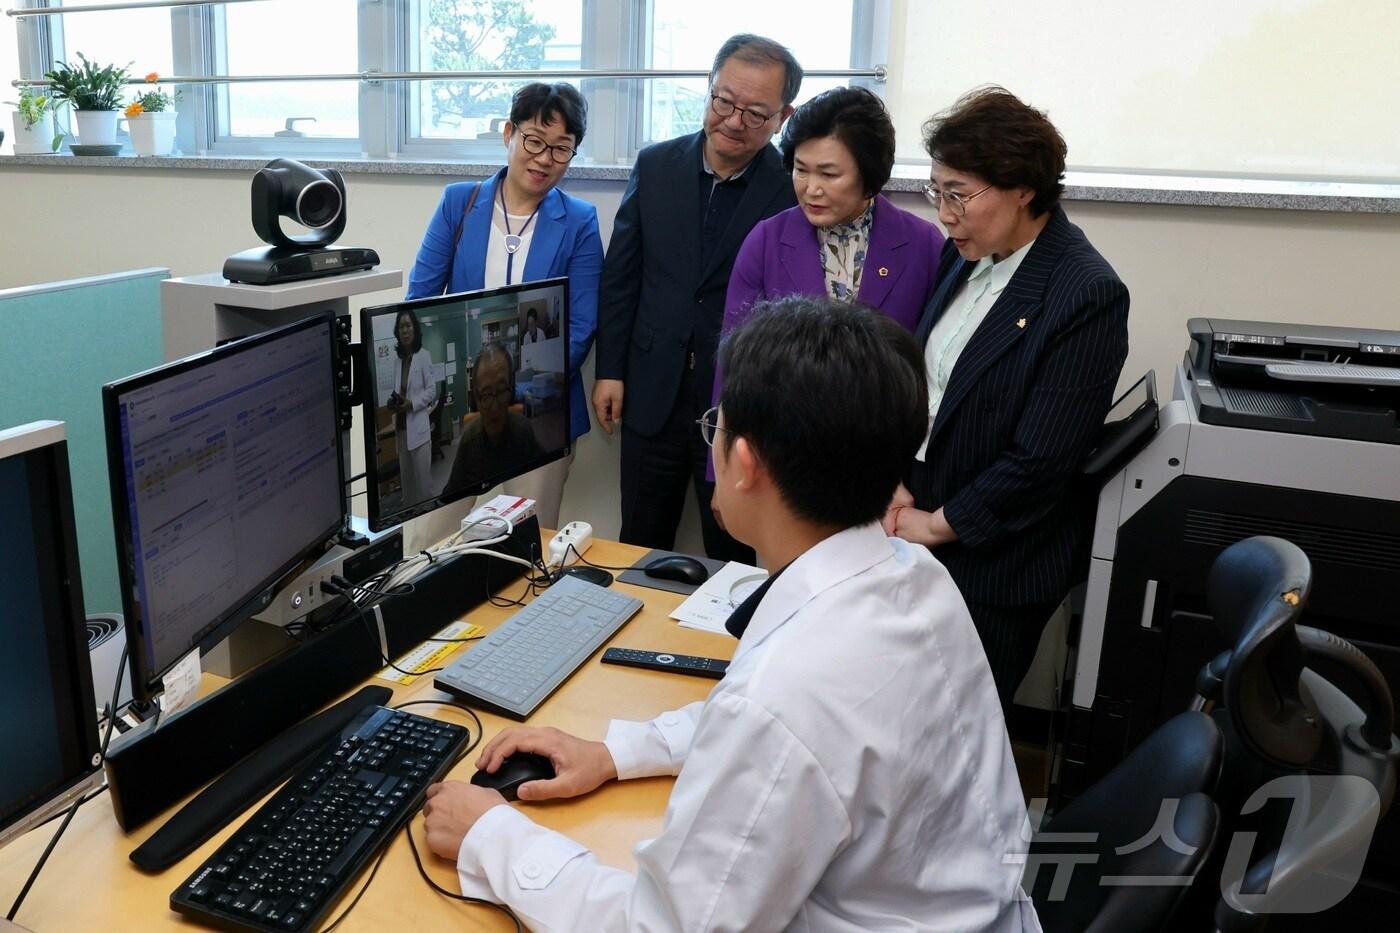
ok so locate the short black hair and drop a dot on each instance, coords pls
(531, 313)
(855, 117)
(758, 50)
(490, 353)
(992, 134)
(417, 333)
(548, 102)
(833, 398)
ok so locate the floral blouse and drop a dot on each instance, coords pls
(843, 248)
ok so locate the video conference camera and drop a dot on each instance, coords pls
(311, 197)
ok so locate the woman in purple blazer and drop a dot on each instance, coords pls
(843, 239)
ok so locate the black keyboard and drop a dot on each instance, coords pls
(287, 865)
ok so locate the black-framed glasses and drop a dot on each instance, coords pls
(724, 107)
(709, 424)
(958, 202)
(501, 396)
(536, 144)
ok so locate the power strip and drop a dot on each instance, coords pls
(570, 543)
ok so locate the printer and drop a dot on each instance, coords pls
(1272, 429)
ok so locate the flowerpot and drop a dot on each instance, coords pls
(96, 127)
(36, 139)
(152, 134)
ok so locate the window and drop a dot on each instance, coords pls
(306, 37)
(427, 118)
(686, 35)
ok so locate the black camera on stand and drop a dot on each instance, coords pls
(312, 197)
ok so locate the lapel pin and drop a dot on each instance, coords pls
(1021, 323)
(884, 272)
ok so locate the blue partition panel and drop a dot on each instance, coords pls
(62, 342)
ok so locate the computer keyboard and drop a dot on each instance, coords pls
(286, 866)
(512, 670)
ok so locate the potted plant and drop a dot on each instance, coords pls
(151, 120)
(96, 96)
(33, 118)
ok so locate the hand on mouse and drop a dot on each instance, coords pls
(451, 810)
(580, 766)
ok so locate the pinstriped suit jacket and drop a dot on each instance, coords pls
(1023, 408)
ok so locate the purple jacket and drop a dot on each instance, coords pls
(780, 258)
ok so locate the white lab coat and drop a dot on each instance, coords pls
(422, 392)
(851, 772)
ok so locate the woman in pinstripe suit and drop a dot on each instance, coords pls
(1023, 339)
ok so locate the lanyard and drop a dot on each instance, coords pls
(513, 240)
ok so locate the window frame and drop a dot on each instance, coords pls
(614, 31)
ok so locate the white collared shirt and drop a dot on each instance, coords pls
(965, 313)
(851, 772)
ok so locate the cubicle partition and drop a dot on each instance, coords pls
(61, 341)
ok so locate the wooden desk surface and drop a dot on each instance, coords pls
(89, 884)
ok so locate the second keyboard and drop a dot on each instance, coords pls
(515, 668)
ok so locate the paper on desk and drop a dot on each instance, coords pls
(429, 654)
(710, 606)
(180, 684)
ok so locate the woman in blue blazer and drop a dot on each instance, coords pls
(1023, 341)
(519, 227)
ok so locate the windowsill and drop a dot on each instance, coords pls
(1112, 187)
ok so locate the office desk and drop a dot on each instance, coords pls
(89, 884)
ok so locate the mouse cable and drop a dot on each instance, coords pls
(383, 851)
(418, 860)
(584, 560)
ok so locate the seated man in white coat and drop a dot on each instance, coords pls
(851, 772)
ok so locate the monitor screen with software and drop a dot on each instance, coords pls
(463, 392)
(226, 471)
(49, 725)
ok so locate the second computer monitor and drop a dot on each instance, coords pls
(464, 392)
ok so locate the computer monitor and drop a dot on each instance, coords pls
(226, 475)
(463, 392)
(49, 724)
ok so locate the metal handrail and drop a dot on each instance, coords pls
(95, 8)
(879, 73)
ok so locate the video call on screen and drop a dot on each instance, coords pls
(498, 399)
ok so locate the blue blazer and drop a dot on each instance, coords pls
(1023, 408)
(566, 242)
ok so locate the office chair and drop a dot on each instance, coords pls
(1309, 768)
(1150, 821)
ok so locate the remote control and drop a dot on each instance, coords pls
(712, 668)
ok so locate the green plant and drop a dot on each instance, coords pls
(31, 106)
(88, 87)
(152, 101)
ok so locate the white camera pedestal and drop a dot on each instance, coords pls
(199, 312)
(202, 311)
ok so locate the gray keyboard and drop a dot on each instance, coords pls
(512, 670)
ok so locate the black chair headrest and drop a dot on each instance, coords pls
(1256, 591)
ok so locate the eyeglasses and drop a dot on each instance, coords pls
(724, 107)
(496, 397)
(536, 144)
(957, 201)
(709, 424)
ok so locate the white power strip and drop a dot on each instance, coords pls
(570, 543)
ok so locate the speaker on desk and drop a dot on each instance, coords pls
(106, 638)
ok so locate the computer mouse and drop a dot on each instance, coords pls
(679, 568)
(595, 575)
(514, 771)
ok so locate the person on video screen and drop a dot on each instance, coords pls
(533, 334)
(499, 442)
(415, 392)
